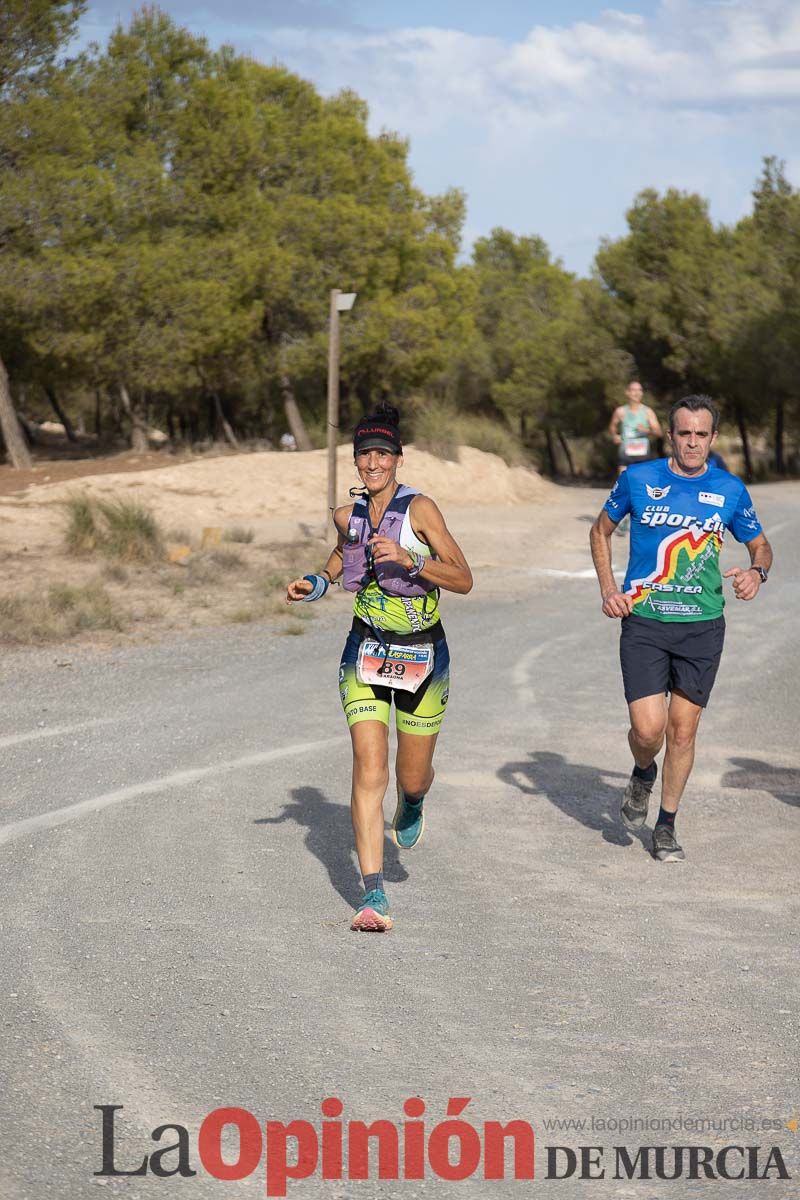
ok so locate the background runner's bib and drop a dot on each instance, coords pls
(677, 528)
(637, 447)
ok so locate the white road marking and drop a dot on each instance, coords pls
(776, 528)
(60, 816)
(586, 573)
(554, 572)
(55, 731)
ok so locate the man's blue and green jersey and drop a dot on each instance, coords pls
(677, 527)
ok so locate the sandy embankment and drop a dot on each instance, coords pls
(504, 517)
(251, 489)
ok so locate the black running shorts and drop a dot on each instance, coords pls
(669, 656)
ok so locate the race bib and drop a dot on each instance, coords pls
(403, 667)
(637, 447)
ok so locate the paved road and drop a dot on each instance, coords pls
(177, 881)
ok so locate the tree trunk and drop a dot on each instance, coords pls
(551, 450)
(222, 420)
(139, 441)
(62, 416)
(780, 464)
(18, 454)
(293, 418)
(567, 453)
(748, 460)
(98, 417)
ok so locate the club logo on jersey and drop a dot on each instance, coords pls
(657, 493)
(711, 498)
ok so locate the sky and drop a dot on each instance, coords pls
(551, 115)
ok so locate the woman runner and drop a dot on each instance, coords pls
(394, 552)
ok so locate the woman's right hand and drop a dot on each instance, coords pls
(297, 589)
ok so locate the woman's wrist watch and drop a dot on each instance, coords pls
(417, 563)
(762, 573)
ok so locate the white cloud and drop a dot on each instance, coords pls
(554, 133)
(691, 53)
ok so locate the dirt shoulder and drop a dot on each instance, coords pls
(240, 526)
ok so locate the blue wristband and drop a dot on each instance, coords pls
(320, 586)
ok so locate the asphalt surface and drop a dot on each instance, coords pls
(178, 878)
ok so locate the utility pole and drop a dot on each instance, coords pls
(340, 302)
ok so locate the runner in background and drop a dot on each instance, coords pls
(633, 428)
(395, 553)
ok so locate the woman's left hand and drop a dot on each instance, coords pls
(385, 550)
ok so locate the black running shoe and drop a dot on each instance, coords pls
(665, 845)
(636, 800)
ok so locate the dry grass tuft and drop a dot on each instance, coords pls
(81, 534)
(132, 532)
(227, 560)
(57, 613)
(121, 529)
(238, 534)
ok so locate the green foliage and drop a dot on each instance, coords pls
(715, 309)
(177, 217)
(173, 218)
(553, 363)
(441, 429)
(31, 32)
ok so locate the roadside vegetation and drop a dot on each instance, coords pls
(173, 217)
(57, 613)
(115, 578)
(118, 528)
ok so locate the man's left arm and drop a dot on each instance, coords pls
(747, 581)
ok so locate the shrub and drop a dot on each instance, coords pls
(81, 535)
(57, 613)
(132, 532)
(441, 429)
(238, 534)
(122, 529)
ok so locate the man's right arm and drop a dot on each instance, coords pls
(615, 602)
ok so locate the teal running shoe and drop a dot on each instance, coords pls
(372, 914)
(408, 822)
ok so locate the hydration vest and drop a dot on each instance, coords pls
(395, 524)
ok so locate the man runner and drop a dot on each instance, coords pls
(671, 603)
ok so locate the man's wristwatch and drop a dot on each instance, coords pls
(762, 574)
